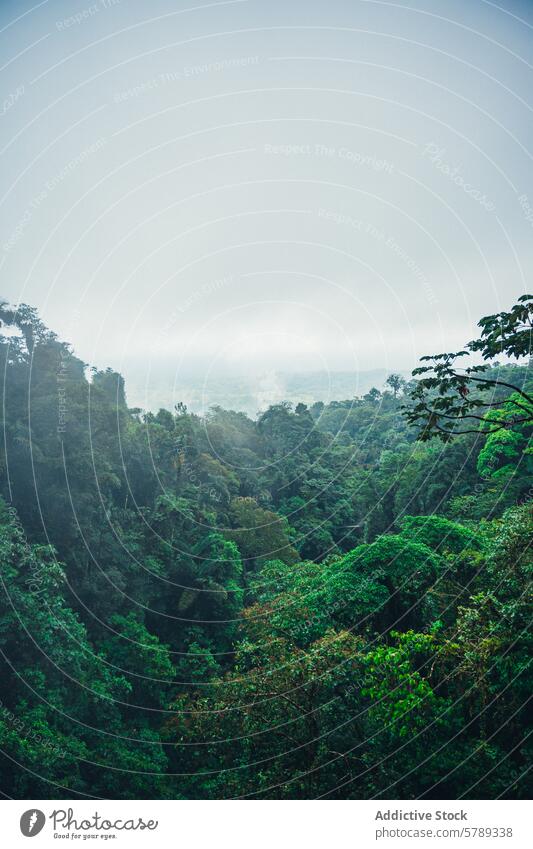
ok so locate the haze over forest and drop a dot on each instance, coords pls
(239, 189)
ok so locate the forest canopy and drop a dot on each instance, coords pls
(320, 602)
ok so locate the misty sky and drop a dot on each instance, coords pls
(252, 185)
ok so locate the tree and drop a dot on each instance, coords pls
(64, 705)
(450, 399)
(260, 534)
(396, 383)
(373, 395)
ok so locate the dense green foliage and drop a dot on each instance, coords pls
(453, 395)
(315, 603)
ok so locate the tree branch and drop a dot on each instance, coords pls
(494, 383)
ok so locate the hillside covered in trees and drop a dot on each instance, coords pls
(320, 602)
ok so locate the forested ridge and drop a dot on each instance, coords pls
(320, 602)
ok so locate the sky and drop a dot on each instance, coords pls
(219, 188)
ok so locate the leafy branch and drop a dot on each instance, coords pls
(448, 396)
